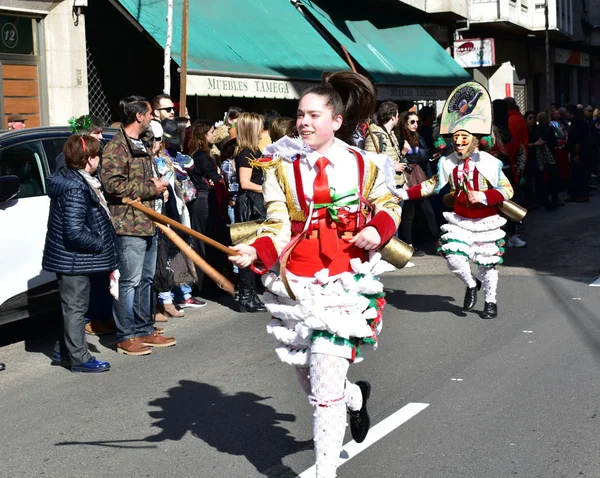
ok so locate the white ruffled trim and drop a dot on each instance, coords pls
(475, 225)
(452, 231)
(334, 304)
(487, 260)
(297, 357)
(475, 252)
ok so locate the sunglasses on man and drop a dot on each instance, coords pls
(168, 109)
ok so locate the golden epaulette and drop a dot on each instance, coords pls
(264, 163)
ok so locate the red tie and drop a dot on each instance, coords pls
(327, 228)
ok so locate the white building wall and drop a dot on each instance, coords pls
(65, 62)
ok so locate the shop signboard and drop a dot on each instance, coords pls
(200, 85)
(570, 57)
(16, 35)
(475, 52)
(421, 93)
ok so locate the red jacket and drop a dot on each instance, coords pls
(518, 127)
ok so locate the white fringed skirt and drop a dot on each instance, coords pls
(480, 240)
(333, 315)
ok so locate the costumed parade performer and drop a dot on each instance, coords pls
(329, 207)
(478, 185)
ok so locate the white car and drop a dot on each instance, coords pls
(27, 157)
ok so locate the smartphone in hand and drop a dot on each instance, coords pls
(166, 178)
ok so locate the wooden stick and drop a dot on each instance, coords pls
(157, 217)
(348, 58)
(184, 247)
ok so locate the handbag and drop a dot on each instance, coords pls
(544, 157)
(250, 206)
(415, 176)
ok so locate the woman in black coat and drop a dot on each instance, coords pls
(204, 175)
(80, 247)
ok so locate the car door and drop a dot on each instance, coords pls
(23, 222)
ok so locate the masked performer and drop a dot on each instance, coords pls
(473, 232)
(328, 209)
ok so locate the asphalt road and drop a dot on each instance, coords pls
(514, 396)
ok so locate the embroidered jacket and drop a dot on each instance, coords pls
(288, 209)
(481, 172)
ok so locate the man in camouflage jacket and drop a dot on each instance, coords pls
(128, 171)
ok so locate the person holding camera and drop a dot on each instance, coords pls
(382, 139)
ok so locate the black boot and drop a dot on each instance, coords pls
(257, 303)
(490, 310)
(246, 302)
(471, 296)
(359, 420)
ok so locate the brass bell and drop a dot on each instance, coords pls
(244, 232)
(512, 211)
(397, 252)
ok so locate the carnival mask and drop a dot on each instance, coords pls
(465, 144)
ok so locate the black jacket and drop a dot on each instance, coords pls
(80, 238)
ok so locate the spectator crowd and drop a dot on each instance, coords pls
(117, 273)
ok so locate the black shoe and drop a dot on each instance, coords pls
(471, 296)
(490, 310)
(247, 303)
(418, 253)
(359, 420)
(257, 303)
(2, 367)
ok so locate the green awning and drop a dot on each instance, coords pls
(397, 56)
(246, 48)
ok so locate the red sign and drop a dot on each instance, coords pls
(507, 90)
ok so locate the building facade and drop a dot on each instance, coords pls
(42, 61)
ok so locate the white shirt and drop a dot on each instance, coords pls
(342, 170)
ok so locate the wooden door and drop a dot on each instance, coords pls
(21, 90)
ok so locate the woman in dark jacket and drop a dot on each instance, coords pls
(415, 154)
(80, 246)
(250, 205)
(205, 176)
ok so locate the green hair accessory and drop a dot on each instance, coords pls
(80, 124)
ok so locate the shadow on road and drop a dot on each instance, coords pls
(234, 424)
(400, 300)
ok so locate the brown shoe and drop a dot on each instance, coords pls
(170, 310)
(159, 330)
(100, 327)
(157, 340)
(133, 346)
(160, 317)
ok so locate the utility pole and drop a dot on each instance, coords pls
(548, 84)
(184, 55)
(167, 57)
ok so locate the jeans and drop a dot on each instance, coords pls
(133, 310)
(180, 292)
(74, 299)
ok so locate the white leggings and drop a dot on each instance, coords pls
(459, 265)
(330, 392)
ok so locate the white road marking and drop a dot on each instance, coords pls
(596, 283)
(376, 433)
